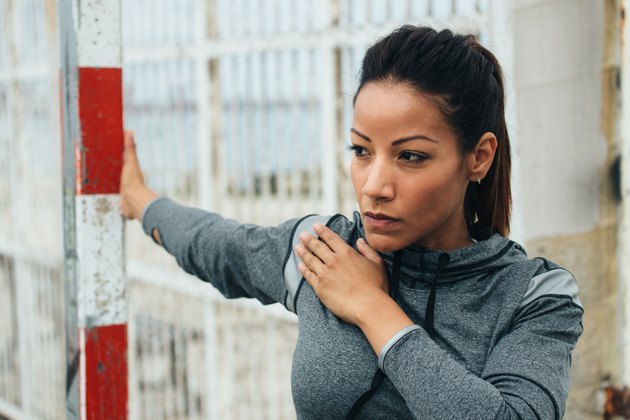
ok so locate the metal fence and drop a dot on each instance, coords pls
(239, 106)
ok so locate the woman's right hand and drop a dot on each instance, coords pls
(134, 194)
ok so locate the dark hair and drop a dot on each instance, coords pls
(465, 81)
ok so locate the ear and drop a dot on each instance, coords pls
(480, 158)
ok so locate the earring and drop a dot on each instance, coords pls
(479, 180)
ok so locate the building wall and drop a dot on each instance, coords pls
(566, 66)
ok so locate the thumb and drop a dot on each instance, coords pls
(129, 152)
(367, 251)
(131, 171)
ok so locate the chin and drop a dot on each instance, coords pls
(383, 243)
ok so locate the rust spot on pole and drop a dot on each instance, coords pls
(617, 402)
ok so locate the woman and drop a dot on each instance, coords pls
(418, 307)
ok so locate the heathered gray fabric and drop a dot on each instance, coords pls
(491, 358)
(292, 275)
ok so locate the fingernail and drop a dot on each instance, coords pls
(303, 236)
(318, 227)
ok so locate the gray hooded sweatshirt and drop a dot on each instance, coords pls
(493, 329)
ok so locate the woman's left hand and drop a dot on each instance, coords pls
(348, 282)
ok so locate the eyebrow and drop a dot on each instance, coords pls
(395, 142)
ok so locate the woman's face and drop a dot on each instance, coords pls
(408, 174)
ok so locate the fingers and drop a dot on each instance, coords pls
(309, 258)
(334, 241)
(309, 276)
(129, 138)
(317, 247)
(367, 251)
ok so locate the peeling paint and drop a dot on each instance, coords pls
(101, 264)
(624, 210)
(98, 26)
(617, 402)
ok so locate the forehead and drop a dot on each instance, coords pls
(395, 110)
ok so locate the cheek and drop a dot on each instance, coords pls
(431, 192)
(357, 178)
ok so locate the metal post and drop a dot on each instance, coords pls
(624, 223)
(96, 310)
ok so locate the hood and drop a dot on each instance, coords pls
(491, 252)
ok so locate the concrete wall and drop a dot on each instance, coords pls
(565, 72)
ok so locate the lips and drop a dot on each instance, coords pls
(380, 221)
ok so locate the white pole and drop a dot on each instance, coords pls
(329, 164)
(205, 183)
(17, 183)
(501, 43)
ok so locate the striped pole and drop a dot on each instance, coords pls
(96, 310)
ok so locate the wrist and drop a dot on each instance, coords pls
(370, 307)
(381, 320)
(138, 197)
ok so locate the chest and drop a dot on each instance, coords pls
(333, 363)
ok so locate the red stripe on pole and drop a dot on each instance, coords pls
(106, 372)
(101, 115)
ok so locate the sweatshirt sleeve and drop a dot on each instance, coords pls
(526, 374)
(240, 260)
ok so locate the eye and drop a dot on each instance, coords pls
(358, 151)
(413, 157)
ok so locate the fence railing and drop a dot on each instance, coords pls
(239, 106)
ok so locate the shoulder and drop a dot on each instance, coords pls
(292, 277)
(550, 280)
(339, 223)
(533, 280)
(348, 229)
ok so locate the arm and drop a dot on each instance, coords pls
(527, 371)
(526, 374)
(238, 259)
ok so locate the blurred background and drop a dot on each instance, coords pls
(244, 107)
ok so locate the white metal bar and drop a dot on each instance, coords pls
(23, 295)
(24, 73)
(18, 251)
(224, 48)
(22, 287)
(328, 100)
(205, 188)
(293, 133)
(271, 367)
(14, 412)
(210, 361)
(502, 45)
(247, 135)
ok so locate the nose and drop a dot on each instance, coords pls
(379, 181)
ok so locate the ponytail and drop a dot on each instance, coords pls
(493, 203)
